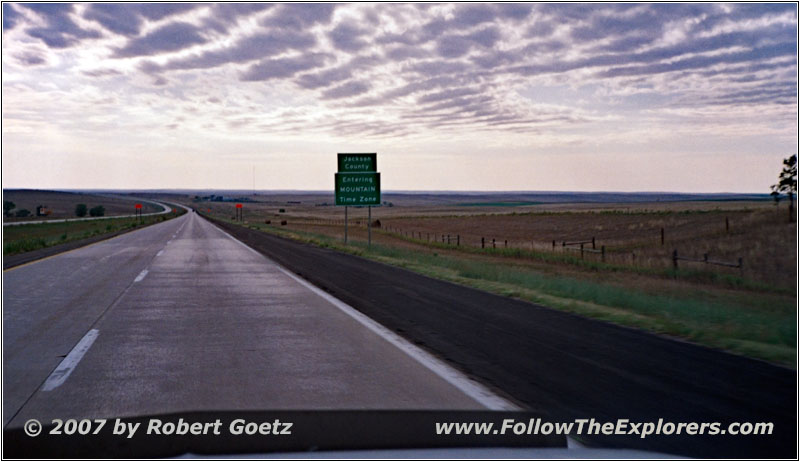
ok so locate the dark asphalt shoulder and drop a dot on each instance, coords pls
(565, 365)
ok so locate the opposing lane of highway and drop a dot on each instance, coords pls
(186, 318)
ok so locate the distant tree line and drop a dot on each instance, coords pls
(81, 209)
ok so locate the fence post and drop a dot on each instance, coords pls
(458, 240)
(593, 247)
(506, 244)
(448, 239)
(727, 225)
(603, 253)
(662, 236)
(741, 268)
(554, 245)
(482, 244)
(493, 244)
(705, 258)
(581, 251)
(633, 258)
(675, 259)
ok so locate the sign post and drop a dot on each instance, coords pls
(239, 212)
(138, 208)
(358, 183)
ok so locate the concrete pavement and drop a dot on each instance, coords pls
(181, 317)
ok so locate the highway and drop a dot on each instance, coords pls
(179, 316)
(182, 317)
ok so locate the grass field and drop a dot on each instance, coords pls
(62, 204)
(25, 238)
(750, 311)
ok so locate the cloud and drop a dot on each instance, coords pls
(222, 15)
(436, 66)
(102, 73)
(247, 49)
(467, 15)
(30, 59)
(298, 16)
(282, 67)
(171, 37)
(346, 90)
(324, 78)
(453, 46)
(10, 16)
(128, 18)
(121, 19)
(60, 30)
(447, 94)
(695, 62)
(347, 37)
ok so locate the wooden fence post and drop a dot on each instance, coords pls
(662, 236)
(506, 244)
(727, 225)
(554, 245)
(458, 240)
(675, 259)
(581, 251)
(593, 247)
(482, 243)
(603, 253)
(493, 244)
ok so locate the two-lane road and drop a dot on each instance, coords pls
(179, 317)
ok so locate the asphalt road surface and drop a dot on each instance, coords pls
(181, 317)
(565, 365)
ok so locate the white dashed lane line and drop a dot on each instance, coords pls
(70, 361)
(141, 276)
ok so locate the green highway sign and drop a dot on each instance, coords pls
(358, 188)
(358, 162)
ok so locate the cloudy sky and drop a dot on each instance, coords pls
(611, 97)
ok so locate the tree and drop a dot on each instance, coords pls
(787, 182)
(98, 211)
(80, 210)
(8, 206)
(23, 213)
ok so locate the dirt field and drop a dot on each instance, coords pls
(725, 231)
(62, 204)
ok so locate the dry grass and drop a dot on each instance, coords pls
(63, 204)
(631, 233)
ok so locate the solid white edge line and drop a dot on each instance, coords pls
(141, 276)
(469, 387)
(65, 368)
